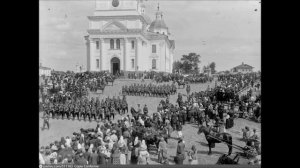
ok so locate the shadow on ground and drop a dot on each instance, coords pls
(212, 152)
(202, 143)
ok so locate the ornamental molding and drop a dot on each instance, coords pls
(124, 17)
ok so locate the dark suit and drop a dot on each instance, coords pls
(102, 159)
(93, 159)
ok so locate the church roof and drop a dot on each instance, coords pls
(146, 18)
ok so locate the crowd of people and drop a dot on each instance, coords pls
(150, 89)
(198, 78)
(73, 86)
(131, 139)
(160, 77)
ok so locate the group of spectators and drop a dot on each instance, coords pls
(111, 143)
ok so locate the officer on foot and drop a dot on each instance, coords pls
(46, 121)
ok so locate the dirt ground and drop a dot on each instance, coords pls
(62, 128)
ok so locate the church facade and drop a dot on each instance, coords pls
(122, 37)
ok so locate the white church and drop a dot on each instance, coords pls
(121, 37)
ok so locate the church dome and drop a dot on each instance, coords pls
(157, 24)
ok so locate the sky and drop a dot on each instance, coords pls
(227, 32)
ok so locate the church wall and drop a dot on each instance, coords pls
(123, 4)
(144, 65)
(108, 54)
(167, 58)
(162, 54)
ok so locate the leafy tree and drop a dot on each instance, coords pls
(213, 67)
(190, 63)
(177, 66)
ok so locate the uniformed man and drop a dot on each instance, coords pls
(93, 111)
(61, 111)
(46, 121)
(76, 112)
(112, 112)
(82, 113)
(145, 110)
(139, 110)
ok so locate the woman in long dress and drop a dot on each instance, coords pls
(134, 151)
(122, 147)
(144, 156)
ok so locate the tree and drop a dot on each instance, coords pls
(177, 66)
(190, 63)
(213, 67)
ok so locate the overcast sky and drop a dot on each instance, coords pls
(225, 32)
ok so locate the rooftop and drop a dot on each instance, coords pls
(45, 68)
(244, 66)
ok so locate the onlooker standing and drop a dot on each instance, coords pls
(162, 151)
(93, 159)
(193, 156)
(144, 156)
(180, 156)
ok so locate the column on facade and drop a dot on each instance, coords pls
(92, 57)
(101, 41)
(125, 54)
(88, 53)
(136, 55)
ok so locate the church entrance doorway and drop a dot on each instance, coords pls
(115, 65)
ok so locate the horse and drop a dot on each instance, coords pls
(101, 87)
(213, 138)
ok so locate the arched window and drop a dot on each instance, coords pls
(118, 43)
(112, 44)
(153, 63)
(132, 44)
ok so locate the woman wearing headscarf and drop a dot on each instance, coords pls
(122, 147)
(134, 151)
(193, 156)
(115, 154)
(62, 141)
(144, 156)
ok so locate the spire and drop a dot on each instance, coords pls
(158, 13)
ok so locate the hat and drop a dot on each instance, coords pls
(54, 148)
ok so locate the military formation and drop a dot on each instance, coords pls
(150, 90)
(84, 109)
